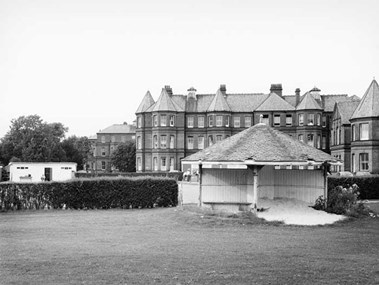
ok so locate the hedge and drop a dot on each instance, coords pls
(97, 193)
(178, 176)
(368, 185)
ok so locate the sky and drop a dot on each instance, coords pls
(88, 63)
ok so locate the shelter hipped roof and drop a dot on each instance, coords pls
(262, 145)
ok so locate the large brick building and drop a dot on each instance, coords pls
(105, 142)
(355, 132)
(176, 126)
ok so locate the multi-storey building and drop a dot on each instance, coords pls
(176, 126)
(106, 142)
(355, 132)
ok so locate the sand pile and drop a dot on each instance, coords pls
(294, 212)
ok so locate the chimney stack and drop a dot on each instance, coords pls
(168, 90)
(191, 93)
(223, 89)
(276, 88)
(297, 96)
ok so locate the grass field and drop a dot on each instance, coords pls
(176, 246)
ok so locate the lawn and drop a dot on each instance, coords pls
(181, 246)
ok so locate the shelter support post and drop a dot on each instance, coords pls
(200, 184)
(252, 186)
(325, 168)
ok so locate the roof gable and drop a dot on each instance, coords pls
(261, 143)
(345, 110)
(369, 105)
(308, 103)
(275, 103)
(219, 103)
(165, 103)
(147, 102)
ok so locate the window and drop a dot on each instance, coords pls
(247, 122)
(353, 133)
(318, 120)
(210, 140)
(155, 164)
(190, 122)
(301, 138)
(276, 120)
(163, 163)
(139, 164)
(339, 136)
(172, 141)
(190, 143)
(123, 138)
(337, 141)
(363, 132)
(103, 165)
(363, 161)
(323, 141)
(353, 163)
(172, 120)
(218, 138)
(139, 142)
(155, 141)
(200, 142)
(172, 164)
(227, 121)
(236, 122)
(113, 139)
(103, 139)
(288, 120)
(218, 121)
(265, 119)
(200, 121)
(163, 141)
(103, 151)
(324, 121)
(301, 119)
(311, 119)
(310, 139)
(210, 121)
(318, 143)
(163, 120)
(133, 137)
(155, 120)
(139, 122)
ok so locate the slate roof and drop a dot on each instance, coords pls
(275, 103)
(262, 144)
(219, 103)
(147, 102)
(346, 110)
(308, 103)
(290, 99)
(369, 105)
(165, 103)
(328, 101)
(118, 129)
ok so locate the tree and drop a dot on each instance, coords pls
(76, 150)
(32, 140)
(124, 157)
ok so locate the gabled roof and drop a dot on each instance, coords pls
(118, 129)
(308, 103)
(245, 102)
(147, 102)
(369, 105)
(275, 103)
(329, 100)
(346, 110)
(165, 103)
(261, 144)
(219, 103)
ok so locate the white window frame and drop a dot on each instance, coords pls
(163, 118)
(200, 121)
(364, 137)
(218, 121)
(190, 121)
(276, 117)
(190, 142)
(288, 120)
(237, 122)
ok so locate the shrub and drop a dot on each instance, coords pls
(103, 193)
(342, 201)
(368, 185)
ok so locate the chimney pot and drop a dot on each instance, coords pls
(276, 88)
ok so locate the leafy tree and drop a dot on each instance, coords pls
(76, 150)
(124, 157)
(32, 140)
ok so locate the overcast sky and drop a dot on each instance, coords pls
(88, 63)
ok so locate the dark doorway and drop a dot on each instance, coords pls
(48, 174)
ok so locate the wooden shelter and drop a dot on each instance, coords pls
(259, 162)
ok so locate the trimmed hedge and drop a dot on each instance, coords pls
(368, 185)
(178, 176)
(97, 193)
